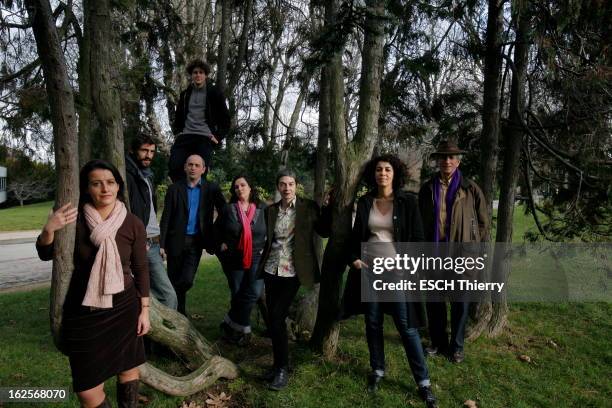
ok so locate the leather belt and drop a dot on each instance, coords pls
(154, 240)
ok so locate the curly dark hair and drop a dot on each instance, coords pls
(198, 63)
(253, 197)
(143, 137)
(400, 171)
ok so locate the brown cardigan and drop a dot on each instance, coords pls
(131, 242)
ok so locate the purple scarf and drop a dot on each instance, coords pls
(453, 187)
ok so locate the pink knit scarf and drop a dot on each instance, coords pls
(106, 276)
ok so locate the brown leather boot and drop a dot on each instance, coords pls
(127, 394)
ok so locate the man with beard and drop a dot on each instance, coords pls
(143, 204)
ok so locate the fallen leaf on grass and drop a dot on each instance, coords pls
(525, 358)
(552, 343)
(470, 404)
(217, 401)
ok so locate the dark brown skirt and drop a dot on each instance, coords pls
(103, 343)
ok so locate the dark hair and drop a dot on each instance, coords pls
(140, 139)
(399, 171)
(286, 173)
(198, 63)
(90, 166)
(253, 197)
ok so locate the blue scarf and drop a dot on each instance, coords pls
(453, 187)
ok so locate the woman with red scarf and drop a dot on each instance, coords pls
(242, 230)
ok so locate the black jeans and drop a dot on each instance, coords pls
(182, 269)
(374, 319)
(184, 146)
(245, 289)
(436, 317)
(280, 292)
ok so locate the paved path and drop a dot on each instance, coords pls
(20, 267)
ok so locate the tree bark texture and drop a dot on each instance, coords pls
(349, 157)
(65, 140)
(105, 81)
(490, 101)
(489, 138)
(512, 153)
(84, 100)
(224, 44)
(323, 138)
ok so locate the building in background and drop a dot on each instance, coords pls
(3, 196)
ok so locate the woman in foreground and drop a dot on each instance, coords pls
(106, 311)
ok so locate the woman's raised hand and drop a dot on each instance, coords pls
(58, 219)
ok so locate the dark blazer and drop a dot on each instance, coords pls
(216, 112)
(176, 213)
(407, 227)
(229, 229)
(309, 219)
(138, 192)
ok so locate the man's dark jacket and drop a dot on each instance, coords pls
(216, 113)
(309, 219)
(138, 192)
(176, 214)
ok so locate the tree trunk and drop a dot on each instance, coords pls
(512, 153)
(105, 81)
(84, 100)
(224, 44)
(65, 140)
(323, 138)
(490, 126)
(278, 103)
(237, 69)
(349, 157)
(490, 101)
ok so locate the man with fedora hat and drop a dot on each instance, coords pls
(453, 209)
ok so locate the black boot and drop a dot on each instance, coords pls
(127, 394)
(373, 380)
(105, 404)
(427, 395)
(281, 378)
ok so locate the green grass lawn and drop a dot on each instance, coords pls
(569, 347)
(568, 343)
(28, 217)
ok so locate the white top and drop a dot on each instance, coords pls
(380, 225)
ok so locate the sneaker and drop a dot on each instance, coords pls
(457, 357)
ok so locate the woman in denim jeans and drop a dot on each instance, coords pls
(386, 214)
(242, 230)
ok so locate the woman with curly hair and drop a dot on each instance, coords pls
(387, 214)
